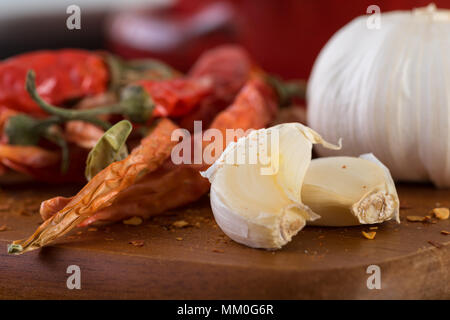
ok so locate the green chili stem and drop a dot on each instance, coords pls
(88, 115)
(125, 71)
(287, 90)
(116, 70)
(56, 138)
(42, 125)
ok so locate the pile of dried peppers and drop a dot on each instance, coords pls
(69, 112)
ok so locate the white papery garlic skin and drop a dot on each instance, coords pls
(347, 191)
(386, 91)
(258, 207)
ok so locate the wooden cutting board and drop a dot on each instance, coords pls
(200, 262)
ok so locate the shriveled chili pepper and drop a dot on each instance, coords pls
(67, 74)
(20, 137)
(41, 164)
(175, 98)
(101, 191)
(229, 68)
(62, 75)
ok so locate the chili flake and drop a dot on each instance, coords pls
(369, 235)
(441, 213)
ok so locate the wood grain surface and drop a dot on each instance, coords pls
(200, 262)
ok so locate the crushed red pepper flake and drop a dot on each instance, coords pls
(137, 243)
(369, 235)
(180, 224)
(445, 232)
(179, 239)
(416, 218)
(133, 221)
(441, 213)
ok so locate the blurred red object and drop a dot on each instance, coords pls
(283, 36)
(176, 34)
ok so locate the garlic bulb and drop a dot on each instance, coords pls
(348, 191)
(386, 91)
(258, 203)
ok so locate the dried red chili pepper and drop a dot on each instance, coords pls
(62, 75)
(229, 67)
(177, 97)
(21, 149)
(41, 164)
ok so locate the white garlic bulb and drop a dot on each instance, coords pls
(258, 203)
(347, 191)
(387, 91)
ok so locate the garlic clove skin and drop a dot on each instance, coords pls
(347, 191)
(259, 204)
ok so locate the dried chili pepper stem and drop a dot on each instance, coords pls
(135, 104)
(122, 71)
(25, 130)
(287, 90)
(57, 138)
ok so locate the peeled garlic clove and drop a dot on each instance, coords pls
(348, 191)
(257, 202)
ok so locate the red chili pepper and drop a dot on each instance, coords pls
(36, 161)
(62, 75)
(229, 67)
(42, 164)
(177, 97)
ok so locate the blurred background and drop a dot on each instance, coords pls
(283, 36)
